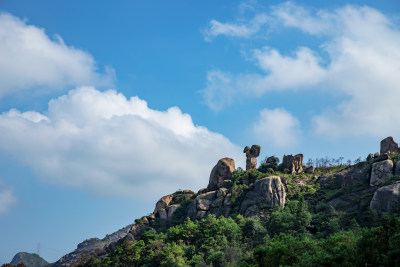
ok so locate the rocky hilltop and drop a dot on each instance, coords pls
(368, 187)
(28, 259)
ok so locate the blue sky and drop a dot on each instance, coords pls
(107, 107)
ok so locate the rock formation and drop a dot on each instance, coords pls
(251, 156)
(388, 145)
(397, 169)
(385, 198)
(165, 207)
(272, 162)
(268, 192)
(345, 178)
(214, 202)
(381, 157)
(381, 171)
(293, 163)
(310, 170)
(222, 171)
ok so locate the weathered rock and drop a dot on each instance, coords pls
(310, 170)
(251, 156)
(293, 163)
(388, 145)
(376, 155)
(202, 203)
(397, 169)
(385, 198)
(94, 245)
(222, 171)
(268, 192)
(348, 202)
(171, 210)
(270, 162)
(345, 178)
(381, 157)
(163, 202)
(381, 171)
(202, 191)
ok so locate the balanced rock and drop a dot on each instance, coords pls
(293, 163)
(385, 198)
(388, 145)
(381, 171)
(251, 156)
(222, 171)
(268, 192)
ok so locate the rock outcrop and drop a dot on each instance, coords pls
(381, 171)
(381, 157)
(29, 259)
(268, 192)
(90, 247)
(388, 145)
(293, 163)
(309, 170)
(345, 178)
(386, 198)
(214, 202)
(397, 169)
(221, 172)
(166, 206)
(271, 162)
(251, 156)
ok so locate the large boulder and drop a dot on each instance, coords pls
(388, 145)
(268, 192)
(397, 168)
(293, 163)
(163, 203)
(385, 198)
(381, 171)
(167, 205)
(222, 171)
(251, 156)
(345, 178)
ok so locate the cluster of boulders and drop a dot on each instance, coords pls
(216, 198)
(293, 163)
(383, 169)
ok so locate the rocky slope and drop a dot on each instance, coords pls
(29, 259)
(372, 185)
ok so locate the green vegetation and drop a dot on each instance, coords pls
(284, 239)
(306, 232)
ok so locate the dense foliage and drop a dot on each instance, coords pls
(282, 239)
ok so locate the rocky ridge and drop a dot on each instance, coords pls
(368, 185)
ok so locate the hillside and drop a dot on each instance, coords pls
(29, 259)
(331, 214)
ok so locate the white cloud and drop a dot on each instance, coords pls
(237, 29)
(29, 58)
(108, 144)
(277, 128)
(223, 88)
(7, 198)
(363, 48)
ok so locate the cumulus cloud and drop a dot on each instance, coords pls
(29, 58)
(108, 144)
(363, 50)
(223, 88)
(237, 29)
(7, 198)
(277, 128)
